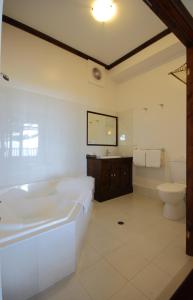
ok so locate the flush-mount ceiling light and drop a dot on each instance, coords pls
(103, 10)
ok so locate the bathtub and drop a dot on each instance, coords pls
(42, 226)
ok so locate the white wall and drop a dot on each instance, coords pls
(157, 127)
(41, 67)
(49, 88)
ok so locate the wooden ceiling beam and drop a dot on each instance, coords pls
(50, 39)
(66, 47)
(176, 17)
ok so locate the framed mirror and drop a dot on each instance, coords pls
(102, 129)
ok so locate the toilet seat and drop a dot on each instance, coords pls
(171, 187)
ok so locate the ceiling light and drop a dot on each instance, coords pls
(103, 10)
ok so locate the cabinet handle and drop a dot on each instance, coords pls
(112, 175)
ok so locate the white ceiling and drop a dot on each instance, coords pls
(70, 21)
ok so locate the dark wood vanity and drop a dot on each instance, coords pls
(113, 176)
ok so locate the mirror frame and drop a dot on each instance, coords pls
(116, 120)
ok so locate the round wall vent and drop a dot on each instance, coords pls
(97, 74)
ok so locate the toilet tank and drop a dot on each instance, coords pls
(178, 170)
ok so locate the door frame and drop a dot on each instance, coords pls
(177, 18)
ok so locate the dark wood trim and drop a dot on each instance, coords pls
(140, 48)
(50, 39)
(189, 168)
(185, 290)
(96, 113)
(60, 44)
(176, 17)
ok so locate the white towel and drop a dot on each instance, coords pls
(139, 157)
(153, 158)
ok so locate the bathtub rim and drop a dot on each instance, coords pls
(38, 231)
(4, 241)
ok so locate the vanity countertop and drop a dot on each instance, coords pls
(107, 157)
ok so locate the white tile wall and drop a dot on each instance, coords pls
(56, 255)
(37, 135)
(32, 265)
(20, 270)
(41, 137)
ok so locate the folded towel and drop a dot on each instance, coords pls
(139, 158)
(153, 158)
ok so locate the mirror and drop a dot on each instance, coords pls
(101, 129)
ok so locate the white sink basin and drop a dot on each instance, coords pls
(110, 156)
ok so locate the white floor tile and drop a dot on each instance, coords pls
(171, 260)
(161, 235)
(180, 240)
(151, 281)
(102, 240)
(68, 289)
(88, 257)
(129, 292)
(148, 250)
(127, 262)
(144, 244)
(101, 280)
(110, 223)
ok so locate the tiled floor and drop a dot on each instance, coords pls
(134, 261)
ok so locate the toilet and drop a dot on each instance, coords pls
(173, 193)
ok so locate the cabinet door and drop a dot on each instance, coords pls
(115, 174)
(126, 175)
(105, 176)
(125, 178)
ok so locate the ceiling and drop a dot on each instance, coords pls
(71, 22)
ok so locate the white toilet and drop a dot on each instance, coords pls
(173, 193)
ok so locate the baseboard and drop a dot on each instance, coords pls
(145, 191)
(176, 282)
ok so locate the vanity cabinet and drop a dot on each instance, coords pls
(113, 177)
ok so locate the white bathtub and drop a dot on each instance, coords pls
(41, 229)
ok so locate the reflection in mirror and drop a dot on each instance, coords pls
(30, 140)
(22, 142)
(101, 129)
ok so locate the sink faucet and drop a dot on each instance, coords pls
(107, 152)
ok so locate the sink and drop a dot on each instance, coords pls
(109, 156)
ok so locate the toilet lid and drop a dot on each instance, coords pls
(171, 187)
